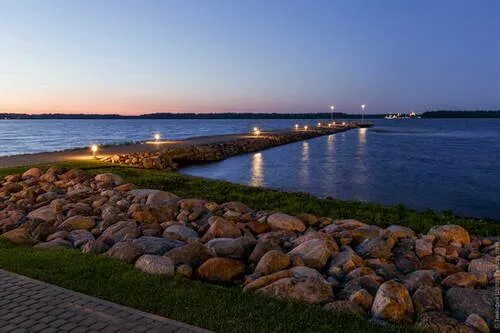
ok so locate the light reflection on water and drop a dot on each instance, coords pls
(304, 165)
(257, 170)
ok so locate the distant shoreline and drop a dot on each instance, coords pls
(234, 115)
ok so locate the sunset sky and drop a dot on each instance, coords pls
(134, 57)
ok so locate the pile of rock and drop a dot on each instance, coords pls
(172, 158)
(442, 280)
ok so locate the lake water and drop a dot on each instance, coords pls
(451, 164)
(438, 164)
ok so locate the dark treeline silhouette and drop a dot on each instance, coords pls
(226, 115)
(461, 114)
(234, 115)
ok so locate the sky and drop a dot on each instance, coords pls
(135, 57)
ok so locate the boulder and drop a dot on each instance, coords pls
(316, 252)
(32, 173)
(485, 265)
(439, 265)
(440, 323)
(45, 213)
(109, 179)
(262, 248)
(346, 259)
(235, 248)
(156, 245)
(423, 248)
(479, 324)
(280, 221)
(221, 228)
(236, 207)
(368, 282)
(420, 278)
(460, 279)
(266, 280)
(79, 222)
(462, 302)
(398, 231)
(126, 251)
(180, 232)
(95, 247)
(378, 247)
(427, 299)
(162, 198)
(153, 264)
(121, 231)
(271, 262)
(393, 303)
(363, 298)
(450, 233)
(221, 270)
(80, 237)
(57, 243)
(306, 285)
(192, 254)
(20, 236)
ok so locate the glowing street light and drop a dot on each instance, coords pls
(319, 124)
(306, 127)
(94, 149)
(332, 107)
(157, 137)
(363, 106)
(296, 126)
(256, 131)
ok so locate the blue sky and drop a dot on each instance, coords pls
(135, 57)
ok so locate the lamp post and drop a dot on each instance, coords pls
(94, 149)
(363, 106)
(157, 137)
(332, 108)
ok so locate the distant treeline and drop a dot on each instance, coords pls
(226, 115)
(461, 114)
(235, 115)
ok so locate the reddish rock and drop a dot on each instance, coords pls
(393, 303)
(221, 270)
(280, 221)
(220, 227)
(271, 262)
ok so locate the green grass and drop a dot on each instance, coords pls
(221, 309)
(292, 203)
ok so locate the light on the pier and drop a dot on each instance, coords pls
(296, 126)
(363, 106)
(94, 149)
(157, 137)
(319, 124)
(306, 127)
(256, 131)
(332, 107)
(343, 123)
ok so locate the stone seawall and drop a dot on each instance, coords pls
(172, 158)
(442, 281)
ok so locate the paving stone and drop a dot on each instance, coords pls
(28, 305)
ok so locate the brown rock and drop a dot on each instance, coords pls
(220, 227)
(393, 303)
(475, 321)
(450, 233)
(428, 299)
(192, 254)
(266, 280)
(153, 264)
(423, 248)
(221, 270)
(125, 251)
(315, 252)
(20, 236)
(439, 265)
(271, 262)
(363, 298)
(44, 213)
(280, 221)
(460, 279)
(32, 173)
(79, 222)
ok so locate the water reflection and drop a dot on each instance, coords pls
(257, 170)
(362, 135)
(304, 165)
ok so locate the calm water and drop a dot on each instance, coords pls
(438, 164)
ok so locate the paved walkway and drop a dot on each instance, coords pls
(28, 305)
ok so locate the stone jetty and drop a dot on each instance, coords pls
(442, 281)
(171, 157)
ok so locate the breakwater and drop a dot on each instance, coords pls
(170, 156)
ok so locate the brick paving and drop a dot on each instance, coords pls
(28, 305)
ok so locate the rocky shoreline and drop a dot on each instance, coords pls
(173, 158)
(442, 281)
